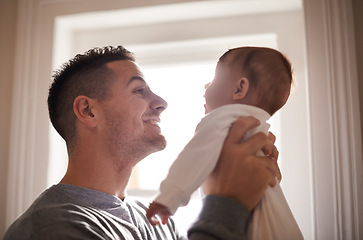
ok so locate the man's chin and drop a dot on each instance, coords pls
(161, 143)
(157, 143)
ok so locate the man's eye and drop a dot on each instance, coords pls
(139, 90)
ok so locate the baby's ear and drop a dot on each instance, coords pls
(241, 88)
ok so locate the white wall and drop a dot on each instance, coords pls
(335, 135)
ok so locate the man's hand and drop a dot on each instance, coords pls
(239, 173)
(275, 154)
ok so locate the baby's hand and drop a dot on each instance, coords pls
(157, 209)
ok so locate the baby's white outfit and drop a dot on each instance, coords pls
(272, 217)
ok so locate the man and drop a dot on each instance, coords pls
(101, 105)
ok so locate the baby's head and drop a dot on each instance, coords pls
(256, 76)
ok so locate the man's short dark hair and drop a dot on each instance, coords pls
(85, 74)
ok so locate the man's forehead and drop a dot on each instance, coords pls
(136, 78)
(126, 69)
(120, 65)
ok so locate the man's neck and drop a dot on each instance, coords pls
(106, 177)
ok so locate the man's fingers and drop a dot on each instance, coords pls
(260, 141)
(272, 137)
(273, 170)
(240, 165)
(277, 172)
(274, 154)
(240, 127)
(256, 143)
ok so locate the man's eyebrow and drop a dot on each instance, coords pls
(135, 78)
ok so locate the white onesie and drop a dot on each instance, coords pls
(272, 217)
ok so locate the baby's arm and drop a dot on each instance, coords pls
(157, 209)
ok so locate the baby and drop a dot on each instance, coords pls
(249, 81)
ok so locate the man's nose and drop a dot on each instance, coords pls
(159, 104)
(205, 86)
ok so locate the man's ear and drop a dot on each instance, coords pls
(83, 107)
(241, 88)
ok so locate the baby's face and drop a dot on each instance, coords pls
(219, 92)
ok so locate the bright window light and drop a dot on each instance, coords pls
(183, 88)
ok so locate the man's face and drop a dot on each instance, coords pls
(132, 113)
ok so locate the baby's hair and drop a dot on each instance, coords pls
(268, 71)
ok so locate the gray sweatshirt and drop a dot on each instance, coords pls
(71, 212)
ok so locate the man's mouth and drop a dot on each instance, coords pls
(152, 122)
